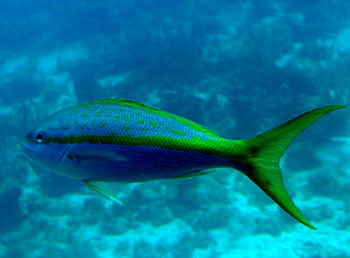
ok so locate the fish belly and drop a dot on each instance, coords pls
(123, 163)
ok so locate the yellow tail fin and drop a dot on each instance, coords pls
(260, 161)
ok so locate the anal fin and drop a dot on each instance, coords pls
(102, 189)
(196, 173)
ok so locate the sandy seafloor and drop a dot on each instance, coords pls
(239, 68)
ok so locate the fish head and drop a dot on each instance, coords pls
(37, 146)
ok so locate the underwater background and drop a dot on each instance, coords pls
(236, 67)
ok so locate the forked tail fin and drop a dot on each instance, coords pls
(260, 161)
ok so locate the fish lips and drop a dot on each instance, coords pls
(27, 147)
(30, 147)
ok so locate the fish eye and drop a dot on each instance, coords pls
(40, 137)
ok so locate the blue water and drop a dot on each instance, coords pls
(236, 67)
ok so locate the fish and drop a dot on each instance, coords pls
(114, 140)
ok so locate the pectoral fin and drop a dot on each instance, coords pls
(103, 189)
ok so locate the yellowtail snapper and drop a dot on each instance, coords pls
(114, 140)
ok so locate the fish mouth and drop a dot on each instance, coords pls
(25, 145)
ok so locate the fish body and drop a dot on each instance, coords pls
(117, 140)
(114, 140)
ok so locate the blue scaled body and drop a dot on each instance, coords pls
(114, 140)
